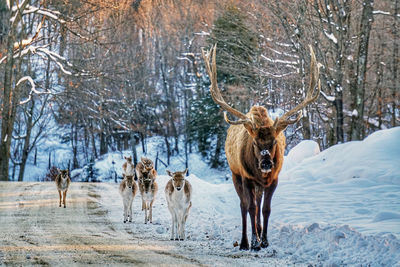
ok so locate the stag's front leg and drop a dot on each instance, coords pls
(259, 194)
(250, 191)
(268, 192)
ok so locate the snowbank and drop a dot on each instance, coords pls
(334, 208)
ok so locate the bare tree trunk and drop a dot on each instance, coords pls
(26, 148)
(395, 62)
(358, 90)
(6, 123)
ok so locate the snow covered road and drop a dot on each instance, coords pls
(35, 231)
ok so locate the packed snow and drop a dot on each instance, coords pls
(337, 207)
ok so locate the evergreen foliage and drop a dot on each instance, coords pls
(236, 53)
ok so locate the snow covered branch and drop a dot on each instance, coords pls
(327, 97)
(33, 89)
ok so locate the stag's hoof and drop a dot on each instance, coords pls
(255, 243)
(264, 243)
(65, 207)
(244, 246)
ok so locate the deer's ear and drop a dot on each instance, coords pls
(185, 171)
(169, 173)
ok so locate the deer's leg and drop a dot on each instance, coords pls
(143, 203)
(244, 207)
(130, 210)
(249, 192)
(64, 197)
(59, 193)
(259, 194)
(171, 211)
(125, 210)
(151, 211)
(268, 192)
(145, 212)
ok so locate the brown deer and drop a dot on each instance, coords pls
(128, 189)
(178, 193)
(62, 182)
(254, 149)
(128, 168)
(148, 187)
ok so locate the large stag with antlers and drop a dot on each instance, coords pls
(254, 149)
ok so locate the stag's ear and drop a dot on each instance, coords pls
(142, 159)
(185, 171)
(169, 173)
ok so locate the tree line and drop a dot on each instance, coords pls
(109, 74)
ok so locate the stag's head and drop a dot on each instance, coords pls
(260, 127)
(178, 179)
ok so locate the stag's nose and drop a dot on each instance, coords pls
(266, 166)
(178, 188)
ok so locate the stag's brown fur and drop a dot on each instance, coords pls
(254, 149)
(240, 151)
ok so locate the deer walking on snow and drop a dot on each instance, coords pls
(178, 193)
(62, 181)
(148, 187)
(254, 148)
(128, 190)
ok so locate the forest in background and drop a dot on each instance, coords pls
(112, 73)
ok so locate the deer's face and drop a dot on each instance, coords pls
(129, 181)
(147, 180)
(178, 179)
(128, 159)
(147, 164)
(64, 174)
(264, 149)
